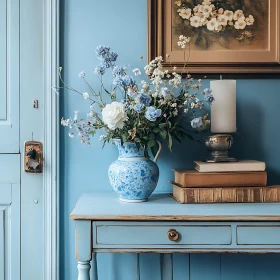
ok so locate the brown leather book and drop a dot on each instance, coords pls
(227, 195)
(193, 178)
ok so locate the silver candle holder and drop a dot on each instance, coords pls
(219, 145)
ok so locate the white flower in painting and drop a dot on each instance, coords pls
(250, 20)
(206, 10)
(238, 14)
(71, 134)
(178, 3)
(114, 115)
(219, 27)
(86, 95)
(221, 11)
(203, 18)
(206, 2)
(195, 21)
(240, 24)
(185, 13)
(136, 71)
(212, 24)
(229, 15)
(195, 9)
(222, 19)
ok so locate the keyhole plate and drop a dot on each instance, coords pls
(38, 157)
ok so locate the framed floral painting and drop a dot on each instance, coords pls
(227, 36)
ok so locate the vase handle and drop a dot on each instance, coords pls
(158, 152)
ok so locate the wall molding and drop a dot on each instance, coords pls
(51, 115)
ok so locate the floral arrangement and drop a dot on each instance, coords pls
(162, 106)
(213, 17)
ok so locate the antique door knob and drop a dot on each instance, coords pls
(173, 235)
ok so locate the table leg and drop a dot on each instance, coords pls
(166, 263)
(83, 270)
(83, 248)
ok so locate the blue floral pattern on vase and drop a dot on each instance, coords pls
(133, 176)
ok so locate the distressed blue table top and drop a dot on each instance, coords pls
(107, 206)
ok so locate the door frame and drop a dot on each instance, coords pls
(51, 140)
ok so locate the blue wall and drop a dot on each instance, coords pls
(122, 25)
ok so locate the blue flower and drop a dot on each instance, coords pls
(144, 99)
(113, 56)
(209, 99)
(106, 62)
(196, 123)
(125, 102)
(152, 113)
(208, 91)
(118, 81)
(165, 92)
(119, 71)
(138, 108)
(100, 70)
(129, 81)
(102, 51)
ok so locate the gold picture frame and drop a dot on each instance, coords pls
(262, 62)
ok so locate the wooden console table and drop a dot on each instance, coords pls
(161, 225)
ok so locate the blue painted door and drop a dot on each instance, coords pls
(21, 82)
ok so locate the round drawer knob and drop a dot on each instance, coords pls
(173, 235)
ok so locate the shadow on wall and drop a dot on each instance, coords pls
(251, 140)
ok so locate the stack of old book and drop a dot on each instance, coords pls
(243, 181)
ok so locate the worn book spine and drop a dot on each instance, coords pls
(227, 179)
(227, 195)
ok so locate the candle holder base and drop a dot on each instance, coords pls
(219, 144)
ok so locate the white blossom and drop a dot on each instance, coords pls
(114, 115)
(86, 95)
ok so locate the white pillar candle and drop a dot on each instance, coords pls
(223, 108)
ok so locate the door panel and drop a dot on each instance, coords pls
(9, 76)
(9, 217)
(3, 61)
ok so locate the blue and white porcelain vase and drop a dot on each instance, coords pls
(133, 176)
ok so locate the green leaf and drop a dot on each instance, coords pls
(151, 143)
(156, 130)
(163, 134)
(146, 137)
(169, 141)
(162, 125)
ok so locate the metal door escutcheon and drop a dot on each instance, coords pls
(33, 157)
(173, 235)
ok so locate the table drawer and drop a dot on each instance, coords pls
(124, 234)
(258, 235)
